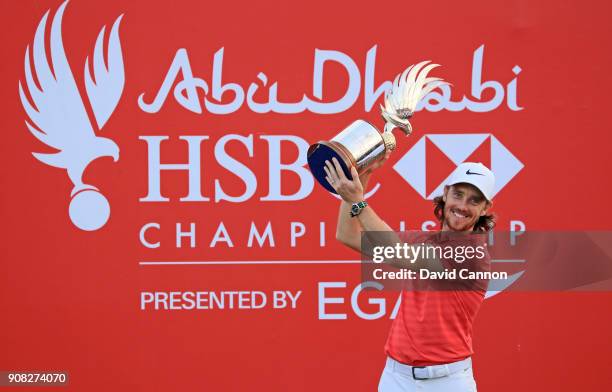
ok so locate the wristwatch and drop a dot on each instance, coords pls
(357, 207)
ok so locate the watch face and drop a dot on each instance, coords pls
(355, 208)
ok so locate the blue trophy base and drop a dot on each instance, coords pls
(317, 155)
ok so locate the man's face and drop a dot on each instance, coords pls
(464, 204)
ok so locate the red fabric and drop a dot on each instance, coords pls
(435, 327)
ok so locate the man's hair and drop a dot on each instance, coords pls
(484, 223)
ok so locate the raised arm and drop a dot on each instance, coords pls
(349, 228)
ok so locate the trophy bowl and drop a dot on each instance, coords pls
(360, 145)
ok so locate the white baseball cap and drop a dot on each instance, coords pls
(475, 174)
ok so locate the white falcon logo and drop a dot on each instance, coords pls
(58, 116)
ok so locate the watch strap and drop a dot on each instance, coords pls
(356, 208)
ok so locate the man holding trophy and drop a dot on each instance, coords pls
(429, 346)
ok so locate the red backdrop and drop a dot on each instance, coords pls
(71, 299)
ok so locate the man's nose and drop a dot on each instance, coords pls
(462, 205)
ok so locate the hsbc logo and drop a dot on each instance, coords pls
(416, 166)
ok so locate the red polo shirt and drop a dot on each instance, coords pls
(435, 327)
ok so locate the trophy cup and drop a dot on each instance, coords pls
(361, 144)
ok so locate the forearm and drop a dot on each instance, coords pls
(348, 230)
(378, 233)
(370, 221)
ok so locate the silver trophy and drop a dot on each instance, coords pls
(361, 144)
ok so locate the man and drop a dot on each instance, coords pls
(429, 346)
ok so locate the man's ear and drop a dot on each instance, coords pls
(446, 188)
(487, 207)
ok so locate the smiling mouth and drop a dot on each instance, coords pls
(458, 214)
